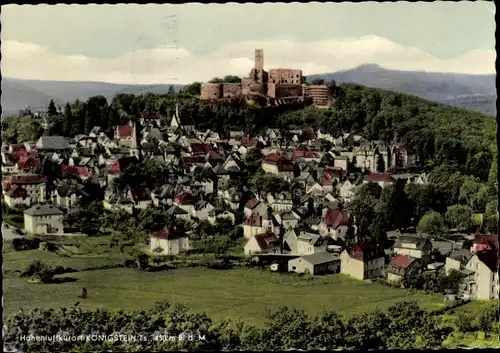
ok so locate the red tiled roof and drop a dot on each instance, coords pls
(304, 154)
(273, 157)
(26, 179)
(148, 115)
(379, 177)
(125, 131)
(330, 174)
(245, 141)
(215, 155)
(185, 198)
(335, 218)
(200, 148)
(365, 252)
(252, 203)
(115, 168)
(16, 192)
(490, 258)
(285, 167)
(80, 171)
(170, 234)
(140, 195)
(402, 261)
(193, 159)
(28, 163)
(487, 239)
(254, 220)
(265, 240)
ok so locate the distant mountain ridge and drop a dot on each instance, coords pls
(36, 94)
(474, 92)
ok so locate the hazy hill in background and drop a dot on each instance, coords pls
(475, 92)
(36, 94)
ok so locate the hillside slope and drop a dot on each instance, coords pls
(474, 92)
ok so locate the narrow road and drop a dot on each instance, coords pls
(9, 233)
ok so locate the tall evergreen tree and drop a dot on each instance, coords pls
(52, 110)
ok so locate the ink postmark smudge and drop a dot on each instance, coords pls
(155, 56)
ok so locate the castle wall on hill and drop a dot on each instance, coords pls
(320, 95)
(284, 90)
(211, 90)
(285, 76)
(231, 90)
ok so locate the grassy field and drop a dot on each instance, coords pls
(237, 293)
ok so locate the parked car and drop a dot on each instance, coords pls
(274, 267)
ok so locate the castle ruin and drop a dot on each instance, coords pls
(276, 87)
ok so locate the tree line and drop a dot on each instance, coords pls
(405, 325)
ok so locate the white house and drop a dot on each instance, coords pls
(169, 242)
(362, 261)
(262, 243)
(43, 219)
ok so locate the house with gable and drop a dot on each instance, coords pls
(281, 201)
(336, 223)
(382, 179)
(43, 219)
(403, 156)
(169, 241)
(24, 189)
(263, 243)
(362, 261)
(399, 267)
(256, 224)
(255, 207)
(417, 246)
(315, 264)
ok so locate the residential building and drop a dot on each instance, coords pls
(43, 219)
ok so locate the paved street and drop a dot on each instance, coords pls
(8, 232)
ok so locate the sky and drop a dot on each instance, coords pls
(147, 44)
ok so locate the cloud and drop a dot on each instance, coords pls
(148, 65)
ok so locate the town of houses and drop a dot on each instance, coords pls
(276, 224)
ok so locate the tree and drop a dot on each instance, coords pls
(420, 198)
(328, 332)
(474, 193)
(68, 122)
(231, 79)
(332, 88)
(490, 218)
(28, 129)
(171, 89)
(52, 110)
(194, 89)
(216, 80)
(367, 330)
(87, 217)
(41, 271)
(432, 223)
(459, 217)
(287, 329)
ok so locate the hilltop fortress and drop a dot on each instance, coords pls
(278, 86)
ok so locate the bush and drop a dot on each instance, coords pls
(130, 264)
(41, 271)
(465, 322)
(21, 244)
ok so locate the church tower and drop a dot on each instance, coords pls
(135, 146)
